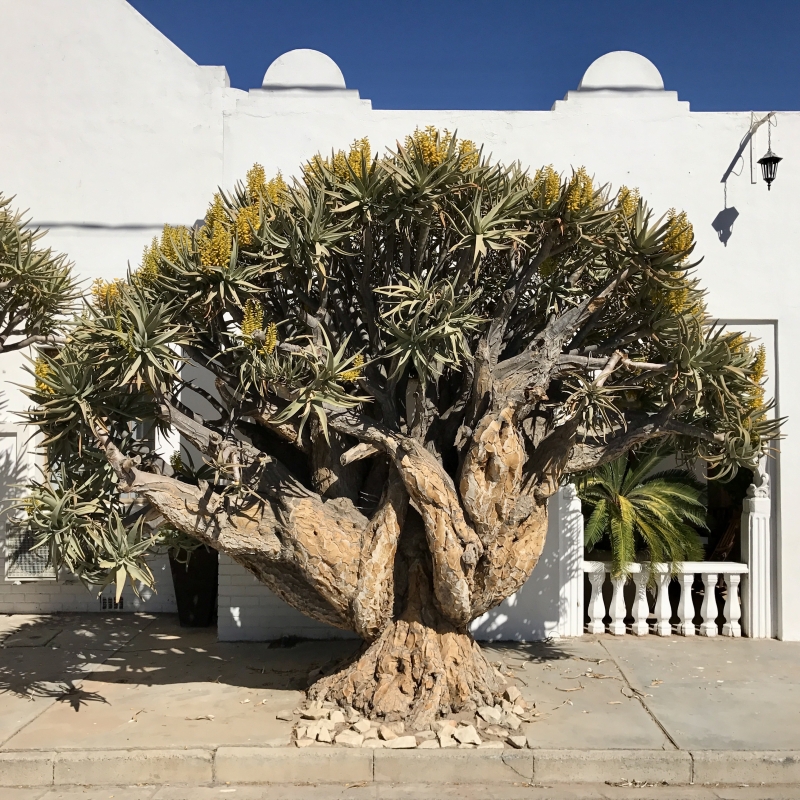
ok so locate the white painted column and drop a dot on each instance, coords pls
(757, 553)
(570, 563)
(596, 571)
(708, 627)
(663, 607)
(686, 608)
(640, 608)
(732, 611)
(617, 609)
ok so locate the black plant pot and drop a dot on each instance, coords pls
(196, 588)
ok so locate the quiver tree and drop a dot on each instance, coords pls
(404, 356)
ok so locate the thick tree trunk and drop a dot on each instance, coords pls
(420, 667)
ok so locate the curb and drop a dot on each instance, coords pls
(290, 765)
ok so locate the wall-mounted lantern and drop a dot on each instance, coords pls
(769, 167)
(769, 162)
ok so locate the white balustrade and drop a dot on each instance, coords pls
(663, 575)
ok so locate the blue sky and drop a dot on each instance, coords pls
(502, 54)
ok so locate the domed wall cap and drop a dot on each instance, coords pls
(304, 69)
(622, 71)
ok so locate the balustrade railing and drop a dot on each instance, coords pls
(634, 612)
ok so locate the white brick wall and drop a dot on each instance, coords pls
(35, 597)
(248, 611)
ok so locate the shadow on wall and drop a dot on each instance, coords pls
(533, 613)
(723, 223)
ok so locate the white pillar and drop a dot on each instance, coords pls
(570, 563)
(686, 608)
(732, 611)
(757, 553)
(663, 607)
(617, 610)
(640, 608)
(708, 611)
(597, 607)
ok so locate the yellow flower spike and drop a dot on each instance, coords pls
(172, 237)
(42, 370)
(214, 241)
(270, 338)
(106, 294)
(628, 200)
(547, 185)
(252, 320)
(680, 232)
(246, 220)
(277, 189)
(354, 373)
(580, 190)
(256, 183)
(149, 269)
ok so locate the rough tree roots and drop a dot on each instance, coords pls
(414, 673)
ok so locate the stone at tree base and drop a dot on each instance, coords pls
(490, 714)
(353, 716)
(362, 726)
(511, 721)
(372, 733)
(518, 710)
(430, 744)
(373, 743)
(304, 742)
(520, 742)
(386, 733)
(512, 694)
(286, 716)
(467, 735)
(497, 730)
(336, 717)
(401, 743)
(314, 713)
(424, 735)
(349, 739)
(324, 735)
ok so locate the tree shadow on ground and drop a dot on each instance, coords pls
(54, 655)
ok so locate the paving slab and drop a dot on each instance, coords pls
(581, 698)
(716, 693)
(168, 684)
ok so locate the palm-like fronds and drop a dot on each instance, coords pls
(634, 508)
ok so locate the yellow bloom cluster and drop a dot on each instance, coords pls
(342, 162)
(547, 186)
(256, 182)
(175, 237)
(270, 338)
(580, 190)
(253, 319)
(214, 241)
(759, 369)
(172, 237)
(680, 232)
(247, 220)
(433, 145)
(106, 294)
(628, 200)
(41, 370)
(354, 373)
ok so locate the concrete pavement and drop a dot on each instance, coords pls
(135, 698)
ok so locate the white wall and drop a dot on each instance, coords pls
(113, 131)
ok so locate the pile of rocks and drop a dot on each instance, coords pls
(325, 724)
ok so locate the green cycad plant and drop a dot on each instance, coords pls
(634, 508)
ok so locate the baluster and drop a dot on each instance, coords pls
(640, 608)
(686, 627)
(617, 610)
(709, 609)
(597, 608)
(663, 608)
(732, 611)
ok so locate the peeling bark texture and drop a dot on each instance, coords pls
(421, 667)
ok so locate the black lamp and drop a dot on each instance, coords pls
(769, 163)
(769, 167)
